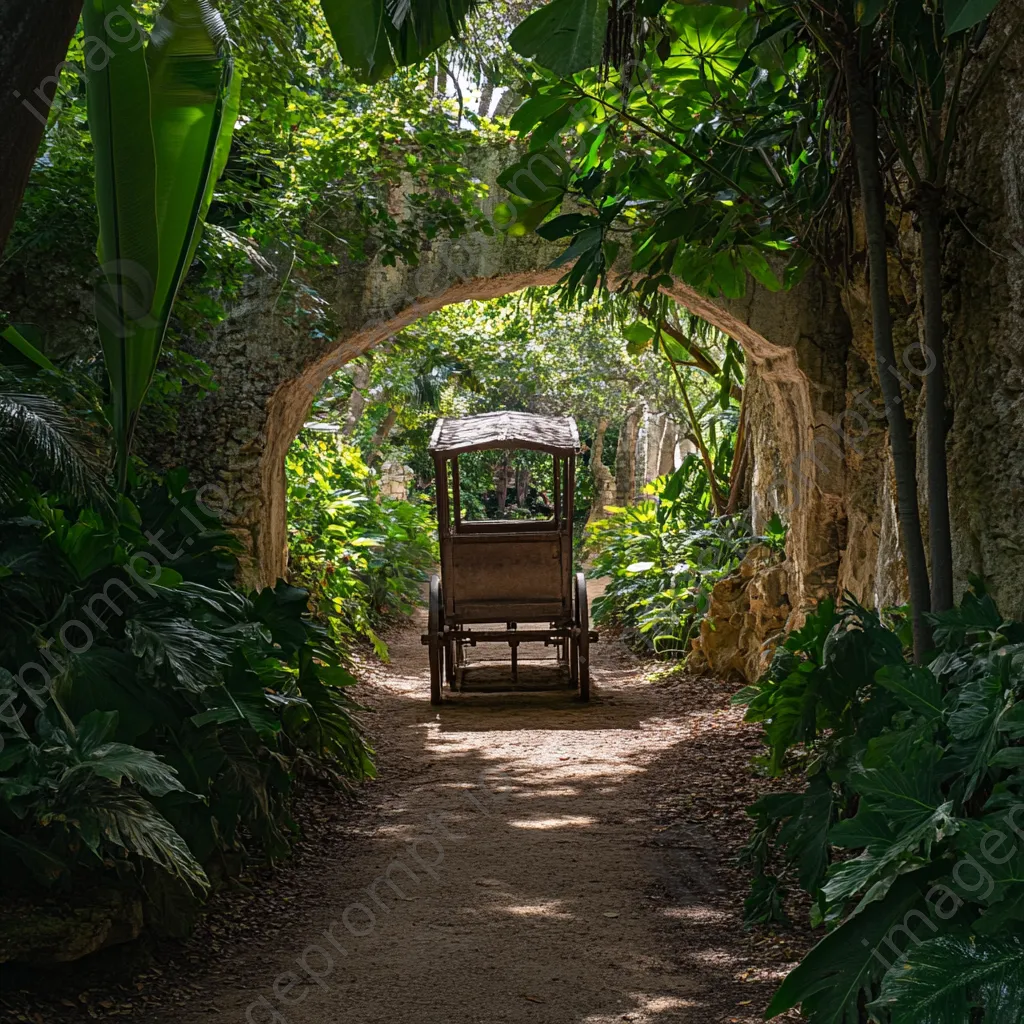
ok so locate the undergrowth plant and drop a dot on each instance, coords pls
(907, 826)
(154, 717)
(363, 557)
(662, 558)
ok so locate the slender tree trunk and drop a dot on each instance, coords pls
(625, 458)
(34, 39)
(486, 98)
(709, 465)
(522, 485)
(604, 482)
(507, 103)
(357, 400)
(380, 435)
(864, 130)
(501, 485)
(739, 462)
(939, 535)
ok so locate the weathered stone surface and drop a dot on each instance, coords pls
(984, 307)
(55, 934)
(749, 611)
(273, 353)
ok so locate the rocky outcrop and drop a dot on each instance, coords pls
(749, 612)
(61, 933)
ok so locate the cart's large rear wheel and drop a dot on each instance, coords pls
(579, 659)
(435, 641)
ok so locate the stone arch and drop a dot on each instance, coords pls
(271, 355)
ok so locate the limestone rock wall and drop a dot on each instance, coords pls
(984, 307)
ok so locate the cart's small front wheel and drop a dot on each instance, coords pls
(435, 639)
(580, 654)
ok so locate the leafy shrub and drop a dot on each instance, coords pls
(363, 558)
(662, 558)
(153, 716)
(909, 831)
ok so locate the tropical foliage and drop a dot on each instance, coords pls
(363, 557)
(154, 716)
(906, 828)
(662, 558)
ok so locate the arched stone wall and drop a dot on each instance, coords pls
(271, 356)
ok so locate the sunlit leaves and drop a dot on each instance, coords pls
(699, 152)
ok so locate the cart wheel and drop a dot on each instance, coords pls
(450, 657)
(435, 645)
(580, 660)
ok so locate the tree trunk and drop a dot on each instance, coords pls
(380, 435)
(34, 40)
(939, 535)
(604, 482)
(357, 400)
(501, 485)
(709, 465)
(864, 130)
(486, 98)
(739, 462)
(522, 485)
(625, 458)
(507, 104)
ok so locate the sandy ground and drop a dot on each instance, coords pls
(520, 858)
(514, 867)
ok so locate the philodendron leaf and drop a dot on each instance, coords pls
(960, 15)
(944, 979)
(852, 959)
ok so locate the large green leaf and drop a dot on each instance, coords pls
(945, 978)
(129, 249)
(376, 36)
(990, 853)
(190, 74)
(119, 761)
(26, 349)
(850, 960)
(565, 36)
(156, 117)
(133, 823)
(963, 14)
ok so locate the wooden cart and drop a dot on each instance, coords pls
(499, 575)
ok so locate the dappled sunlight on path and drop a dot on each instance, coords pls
(512, 871)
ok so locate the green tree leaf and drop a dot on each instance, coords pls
(964, 14)
(564, 36)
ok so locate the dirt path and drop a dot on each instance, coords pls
(525, 859)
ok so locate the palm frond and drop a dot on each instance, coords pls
(40, 438)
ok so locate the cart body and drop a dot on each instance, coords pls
(507, 571)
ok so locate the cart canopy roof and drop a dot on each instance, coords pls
(555, 434)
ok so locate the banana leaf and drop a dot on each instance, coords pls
(157, 116)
